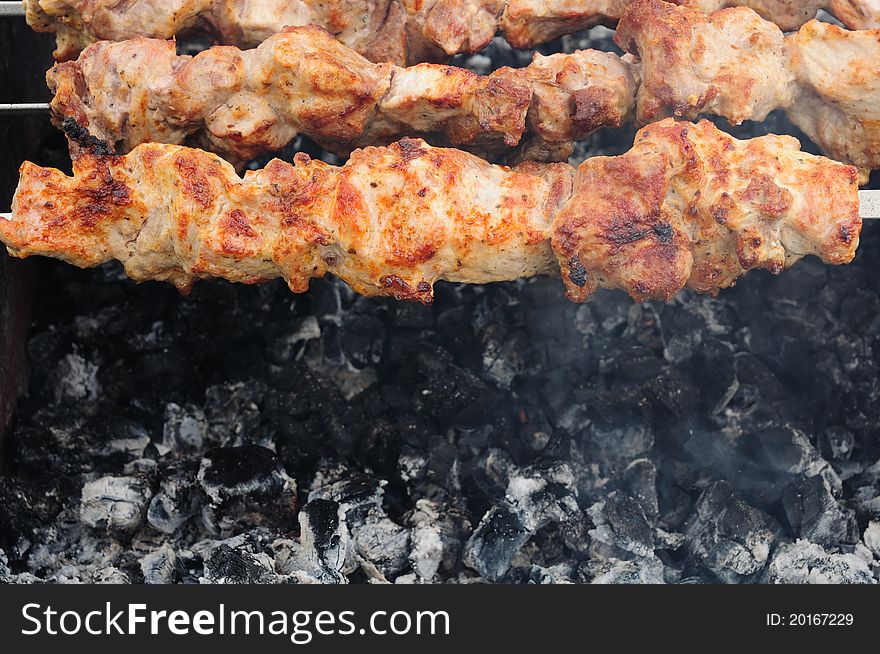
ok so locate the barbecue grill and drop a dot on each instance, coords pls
(242, 434)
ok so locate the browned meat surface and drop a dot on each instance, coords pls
(857, 14)
(737, 65)
(731, 63)
(397, 31)
(691, 206)
(681, 63)
(302, 81)
(837, 102)
(791, 14)
(688, 206)
(527, 23)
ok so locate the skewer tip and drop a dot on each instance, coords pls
(12, 9)
(869, 205)
(24, 108)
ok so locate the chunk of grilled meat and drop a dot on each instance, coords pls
(736, 65)
(370, 26)
(390, 222)
(791, 15)
(857, 14)
(244, 103)
(731, 63)
(837, 101)
(528, 23)
(688, 206)
(396, 31)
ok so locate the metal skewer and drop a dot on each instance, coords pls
(11, 9)
(24, 108)
(16, 10)
(869, 206)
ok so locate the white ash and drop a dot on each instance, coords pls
(372, 537)
(533, 497)
(9, 577)
(115, 504)
(77, 379)
(326, 542)
(803, 562)
(648, 570)
(872, 538)
(412, 465)
(727, 536)
(185, 429)
(427, 540)
(133, 447)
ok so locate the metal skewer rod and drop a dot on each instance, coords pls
(869, 205)
(24, 108)
(11, 9)
(869, 210)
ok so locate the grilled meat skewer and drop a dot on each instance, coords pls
(397, 31)
(791, 15)
(688, 206)
(245, 103)
(528, 23)
(736, 65)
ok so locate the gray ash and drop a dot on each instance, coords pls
(243, 434)
(504, 434)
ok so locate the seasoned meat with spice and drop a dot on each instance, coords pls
(301, 81)
(791, 14)
(857, 14)
(691, 206)
(391, 221)
(396, 31)
(837, 102)
(681, 63)
(731, 63)
(527, 23)
(687, 206)
(737, 65)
